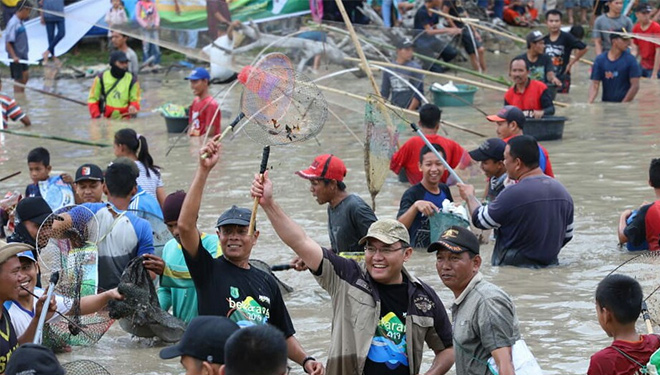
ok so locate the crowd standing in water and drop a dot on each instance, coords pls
(381, 314)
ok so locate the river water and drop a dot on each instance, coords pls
(602, 160)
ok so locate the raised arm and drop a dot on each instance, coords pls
(288, 230)
(187, 222)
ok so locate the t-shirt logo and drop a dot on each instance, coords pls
(248, 312)
(233, 291)
(611, 75)
(389, 343)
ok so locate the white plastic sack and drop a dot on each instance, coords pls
(524, 362)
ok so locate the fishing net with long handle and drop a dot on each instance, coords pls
(71, 250)
(644, 268)
(84, 367)
(381, 139)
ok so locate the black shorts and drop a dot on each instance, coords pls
(17, 70)
(466, 41)
(601, 7)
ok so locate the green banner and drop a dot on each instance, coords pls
(193, 15)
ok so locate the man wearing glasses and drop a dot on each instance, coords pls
(382, 314)
(228, 285)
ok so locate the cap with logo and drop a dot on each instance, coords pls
(33, 359)
(235, 215)
(204, 339)
(89, 172)
(34, 209)
(509, 113)
(405, 43)
(456, 239)
(534, 36)
(387, 231)
(492, 148)
(325, 166)
(198, 73)
(620, 33)
(644, 8)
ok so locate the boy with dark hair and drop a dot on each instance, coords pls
(490, 156)
(407, 157)
(204, 110)
(618, 305)
(256, 350)
(539, 64)
(17, 44)
(640, 229)
(424, 199)
(58, 190)
(558, 46)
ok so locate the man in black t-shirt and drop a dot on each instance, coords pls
(426, 42)
(558, 46)
(540, 65)
(228, 285)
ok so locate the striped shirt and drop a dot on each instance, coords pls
(150, 183)
(10, 110)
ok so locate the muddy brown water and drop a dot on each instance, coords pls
(602, 160)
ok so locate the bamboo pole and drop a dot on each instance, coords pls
(11, 82)
(54, 137)
(395, 108)
(490, 29)
(447, 76)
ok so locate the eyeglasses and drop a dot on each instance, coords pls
(372, 250)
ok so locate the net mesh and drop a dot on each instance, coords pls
(84, 367)
(71, 250)
(644, 268)
(161, 235)
(284, 105)
(381, 140)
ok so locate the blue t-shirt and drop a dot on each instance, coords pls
(16, 35)
(420, 233)
(615, 75)
(533, 219)
(422, 19)
(122, 237)
(143, 201)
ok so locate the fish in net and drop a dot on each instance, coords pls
(644, 268)
(71, 250)
(84, 367)
(140, 313)
(381, 141)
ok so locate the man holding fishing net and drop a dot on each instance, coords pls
(228, 285)
(382, 314)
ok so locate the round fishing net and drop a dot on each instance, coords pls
(161, 234)
(84, 367)
(66, 243)
(381, 141)
(287, 116)
(644, 268)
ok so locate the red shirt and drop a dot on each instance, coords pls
(530, 99)
(646, 48)
(652, 223)
(408, 156)
(201, 115)
(548, 166)
(610, 362)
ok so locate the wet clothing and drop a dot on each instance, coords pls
(420, 230)
(535, 97)
(246, 296)
(533, 219)
(177, 290)
(123, 236)
(201, 113)
(610, 361)
(8, 340)
(615, 75)
(539, 69)
(544, 159)
(647, 49)
(645, 227)
(402, 94)
(407, 156)
(21, 318)
(483, 319)
(604, 23)
(10, 110)
(150, 183)
(117, 97)
(348, 222)
(560, 50)
(357, 311)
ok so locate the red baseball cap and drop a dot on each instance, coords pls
(325, 166)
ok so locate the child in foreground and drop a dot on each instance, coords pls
(618, 305)
(56, 190)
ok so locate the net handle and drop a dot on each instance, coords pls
(437, 154)
(255, 206)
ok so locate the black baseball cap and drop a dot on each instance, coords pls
(509, 113)
(492, 148)
(644, 8)
(620, 33)
(457, 240)
(404, 43)
(117, 56)
(33, 359)
(204, 339)
(89, 172)
(235, 215)
(34, 209)
(534, 36)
